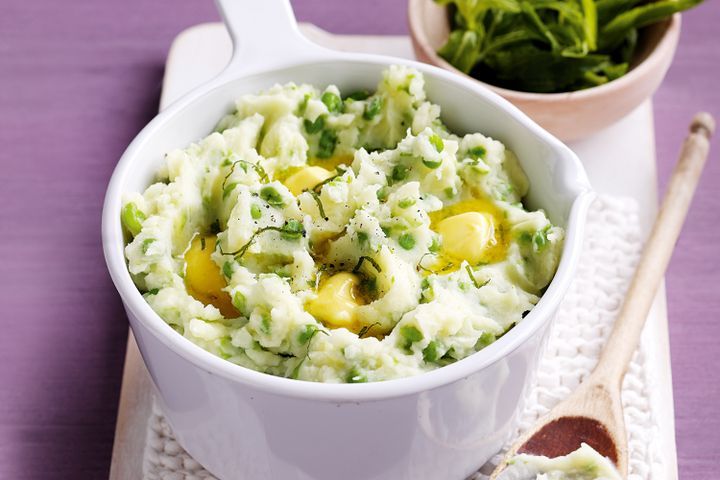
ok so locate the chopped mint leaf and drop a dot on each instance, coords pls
(307, 333)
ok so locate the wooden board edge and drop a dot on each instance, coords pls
(134, 410)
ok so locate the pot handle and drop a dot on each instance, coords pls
(264, 34)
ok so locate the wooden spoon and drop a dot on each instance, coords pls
(593, 413)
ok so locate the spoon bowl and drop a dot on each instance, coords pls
(592, 415)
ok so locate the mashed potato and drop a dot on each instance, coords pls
(585, 463)
(340, 239)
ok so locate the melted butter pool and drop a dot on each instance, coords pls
(494, 235)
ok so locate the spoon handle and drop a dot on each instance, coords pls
(625, 335)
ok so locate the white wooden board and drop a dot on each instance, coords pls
(619, 160)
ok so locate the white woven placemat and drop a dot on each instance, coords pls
(611, 251)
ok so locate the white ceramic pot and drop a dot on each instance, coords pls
(242, 424)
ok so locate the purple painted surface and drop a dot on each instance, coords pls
(79, 79)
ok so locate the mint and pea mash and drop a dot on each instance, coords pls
(549, 46)
(585, 463)
(340, 236)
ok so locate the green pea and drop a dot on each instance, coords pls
(525, 237)
(437, 142)
(430, 353)
(292, 230)
(448, 357)
(540, 240)
(266, 324)
(316, 126)
(255, 211)
(354, 376)
(382, 193)
(332, 102)
(406, 202)
(410, 334)
(400, 173)
(146, 244)
(485, 339)
(272, 196)
(303, 103)
(239, 301)
(283, 272)
(373, 108)
(477, 152)
(228, 189)
(359, 95)
(406, 241)
(132, 218)
(434, 245)
(432, 164)
(427, 294)
(326, 144)
(227, 269)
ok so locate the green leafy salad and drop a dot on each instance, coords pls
(549, 46)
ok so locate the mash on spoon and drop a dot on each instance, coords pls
(340, 238)
(585, 463)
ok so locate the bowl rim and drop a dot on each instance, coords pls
(669, 38)
(138, 309)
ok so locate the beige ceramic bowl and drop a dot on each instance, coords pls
(570, 115)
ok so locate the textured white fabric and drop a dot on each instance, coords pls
(611, 251)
